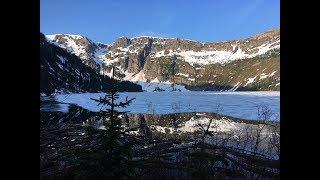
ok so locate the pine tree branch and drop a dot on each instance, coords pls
(124, 104)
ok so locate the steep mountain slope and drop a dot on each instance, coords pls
(156, 63)
(62, 71)
(89, 52)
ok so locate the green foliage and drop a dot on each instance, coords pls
(112, 159)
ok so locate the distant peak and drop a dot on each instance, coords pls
(151, 37)
(269, 32)
(73, 36)
(63, 34)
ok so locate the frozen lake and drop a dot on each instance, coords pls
(237, 104)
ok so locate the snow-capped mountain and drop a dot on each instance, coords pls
(157, 63)
(63, 71)
(89, 52)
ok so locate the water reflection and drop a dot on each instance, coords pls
(182, 127)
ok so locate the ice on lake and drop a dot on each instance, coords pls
(237, 104)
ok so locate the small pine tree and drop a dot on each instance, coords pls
(112, 158)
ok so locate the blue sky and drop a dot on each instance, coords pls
(203, 20)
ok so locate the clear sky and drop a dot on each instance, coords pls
(204, 20)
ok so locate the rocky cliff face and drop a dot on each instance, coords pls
(88, 51)
(157, 63)
(62, 71)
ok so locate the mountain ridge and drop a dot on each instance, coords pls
(149, 60)
(61, 71)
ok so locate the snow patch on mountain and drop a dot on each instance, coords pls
(99, 55)
(61, 59)
(250, 80)
(181, 74)
(69, 44)
(155, 80)
(215, 56)
(235, 87)
(264, 75)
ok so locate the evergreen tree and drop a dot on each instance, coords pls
(113, 158)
